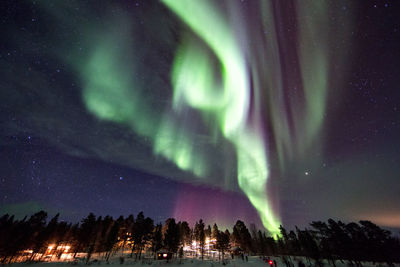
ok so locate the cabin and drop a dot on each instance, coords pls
(164, 255)
(237, 251)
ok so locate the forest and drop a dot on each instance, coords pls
(36, 239)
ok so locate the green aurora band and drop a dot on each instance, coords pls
(211, 75)
(228, 100)
(109, 93)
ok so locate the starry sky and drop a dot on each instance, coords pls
(267, 111)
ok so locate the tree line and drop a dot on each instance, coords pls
(331, 240)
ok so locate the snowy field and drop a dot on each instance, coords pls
(253, 261)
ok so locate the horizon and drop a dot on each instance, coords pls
(393, 230)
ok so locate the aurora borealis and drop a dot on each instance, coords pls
(283, 111)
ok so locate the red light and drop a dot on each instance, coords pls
(270, 262)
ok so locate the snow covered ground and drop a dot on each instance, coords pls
(237, 262)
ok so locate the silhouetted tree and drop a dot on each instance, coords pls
(125, 230)
(185, 233)
(325, 241)
(171, 238)
(271, 245)
(207, 232)
(112, 238)
(37, 234)
(222, 243)
(141, 232)
(310, 246)
(334, 240)
(215, 231)
(241, 236)
(87, 235)
(156, 240)
(200, 236)
(261, 243)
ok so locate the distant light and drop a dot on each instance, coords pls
(306, 173)
(165, 255)
(270, 262)
(66, 256)
(121, 178)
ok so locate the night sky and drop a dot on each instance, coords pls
(271, 112)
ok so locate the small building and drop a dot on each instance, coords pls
(164, 255)
(237, 251)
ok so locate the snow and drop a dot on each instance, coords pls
(254, 261)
